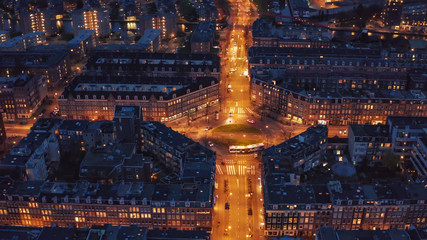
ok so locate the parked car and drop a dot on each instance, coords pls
(250, 121)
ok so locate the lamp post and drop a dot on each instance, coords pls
(266, 127)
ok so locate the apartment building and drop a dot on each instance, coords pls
(298, 210)
(391, 13)
(407, 136)
(299, 154)
(151, 40)
(336, 108)
(203, 37)
(70, 137)
(83, 43)
(22, 43)
(94, 232)
(89, 18)
(32, 21)
(419, 156)
(167, 22)
(35, 155)
(271, 34)
(53, 66)
(328, 233)
(174, 151)
(4, 36)
(2, 135)
(404, 132)
(133, 63)
(160, 98)
(368, 142)
(414, 16)
(83, 204)
(332, 69)
(21, 96)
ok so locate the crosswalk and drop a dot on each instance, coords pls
(230, 170)
(219, 170)
(249, 111)
(238, 110)
(239, 170)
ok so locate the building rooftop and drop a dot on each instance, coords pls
(74, 125)
(369, 130)
(328, 233)
(166, 134)
(120, 193)
(298, 143)
(97, 232)
(103, 162)
(46, 125)
(412, 122)
(196, 165)
(159, 14)
(89, 8)
(82, 36)
(177, 234)
(103, 126)
(309, 52)
(127, 112)
(19, 81)
(362, 96)
(276, 193)
(31, 59)
(8, 232)
(262, 28)
(149, 36)
(204, 32)
(130, 58)
(137, 87)
(12, 42)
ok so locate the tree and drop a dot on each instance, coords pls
(390, 160)
(187, 10)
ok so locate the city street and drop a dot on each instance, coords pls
(238, 212)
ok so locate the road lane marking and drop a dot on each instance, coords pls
(231, 170)
(242, 170)
(249, 110)
(241, 110)
(219, 170)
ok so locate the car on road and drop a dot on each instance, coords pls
(250, 211)
(230, 114)
(210, 144)
(250, 121)
(208, 128)
(227, 206)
